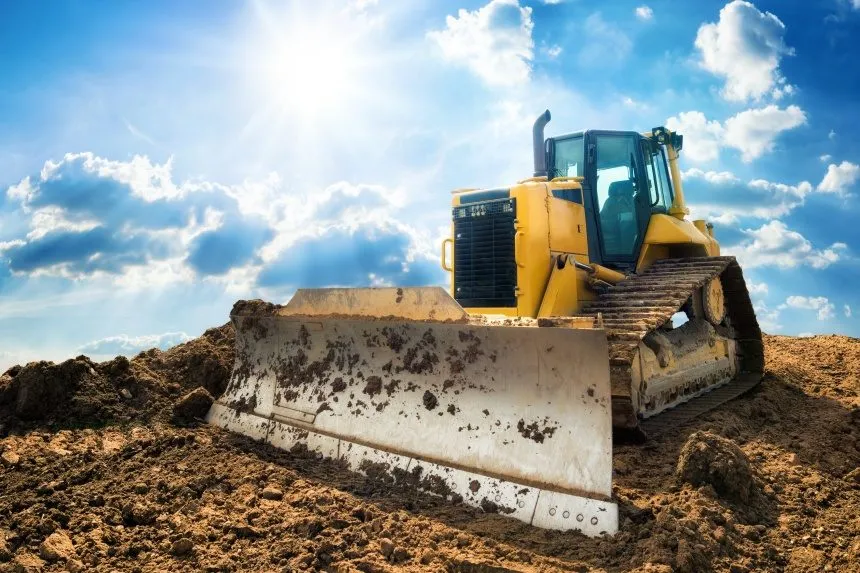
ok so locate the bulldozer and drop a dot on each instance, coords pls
(584, 306)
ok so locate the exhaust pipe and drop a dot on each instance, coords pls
(538, 144)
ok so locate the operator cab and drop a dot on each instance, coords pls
(626, 179)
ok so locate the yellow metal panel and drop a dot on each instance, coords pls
(531, 246)
(650, 254)
(667, 230)
(566, 226)
(560, 298)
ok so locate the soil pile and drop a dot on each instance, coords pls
(769, 481)
(79, 392)
(709, 459)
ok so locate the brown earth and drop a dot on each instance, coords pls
(95, 477)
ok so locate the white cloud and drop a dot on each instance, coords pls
(553, 51)
(494, 42)
(128, 345)
(825, 309)
(825, 158)
(831, 135)
(713, 177)
(754, 131)
(847, 309)
(768, 318)
(603, 43)
(782, 191)
(143, 231)
(782, 90)
(702, 138)
(839, 177)
(644, 13)
(774, 244)
(757, 289)
(732, 200)
(744, 47)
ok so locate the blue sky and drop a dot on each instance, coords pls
(161, 160)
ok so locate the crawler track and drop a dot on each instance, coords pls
(639, 305)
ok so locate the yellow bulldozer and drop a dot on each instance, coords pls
(583, 300)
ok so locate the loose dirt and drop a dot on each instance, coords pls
(97, 477)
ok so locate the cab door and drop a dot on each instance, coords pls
(619, 193)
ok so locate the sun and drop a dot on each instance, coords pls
(306, 64)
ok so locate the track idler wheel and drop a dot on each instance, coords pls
(707, 303)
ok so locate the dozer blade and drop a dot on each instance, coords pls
(403, 385)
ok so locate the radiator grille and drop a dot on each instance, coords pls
(485, 271)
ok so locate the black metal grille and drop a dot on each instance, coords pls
(485, 270)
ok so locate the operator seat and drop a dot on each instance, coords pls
(618, 218)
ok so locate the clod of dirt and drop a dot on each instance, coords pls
(138, 514)
(430, 400)
(386, 546)
(272, 492)
(27, 563)
(57, 547)
(707, 458)
(193, 405)
(9, 458)
(181, 547)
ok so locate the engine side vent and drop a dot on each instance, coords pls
(485, 270)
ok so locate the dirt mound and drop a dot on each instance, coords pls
(80, 392)
(709, 459)
(146, 495)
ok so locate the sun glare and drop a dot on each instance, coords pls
(306, 65)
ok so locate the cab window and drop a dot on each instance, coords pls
(659, 188)
(569, 158)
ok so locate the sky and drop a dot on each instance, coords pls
(161, 160)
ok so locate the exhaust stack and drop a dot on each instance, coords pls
(538, 144)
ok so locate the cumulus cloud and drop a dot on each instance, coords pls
(713, 177)
(825, 309)
(753, 132)
(702, 138)
(130, 223)
(825, 158)
(350, 257)
(644, 13)
(722, 197)
(744, 48)
(88, 215)
(839, 177)
(774, 244)
(494, 42)
(757, 289)
(130, 345)
(847, 310)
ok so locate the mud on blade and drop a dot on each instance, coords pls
(515, 419)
